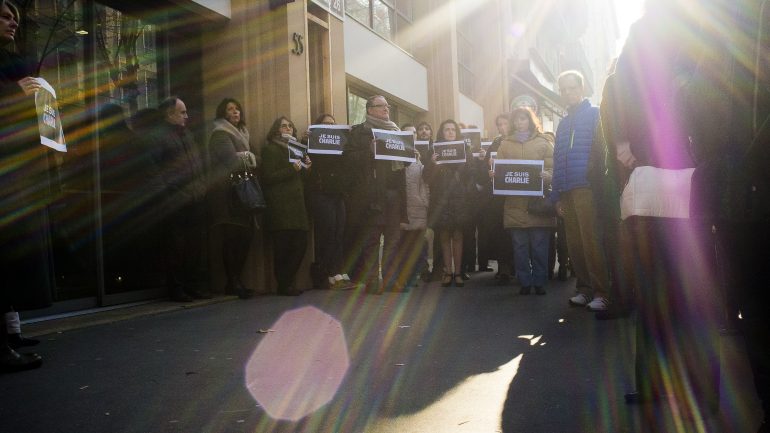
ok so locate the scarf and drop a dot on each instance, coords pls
(240, 135)
(376, 123)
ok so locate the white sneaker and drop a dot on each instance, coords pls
(598, 304)
(345, 277)
(579, 300)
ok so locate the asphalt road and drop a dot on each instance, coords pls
(474, 359)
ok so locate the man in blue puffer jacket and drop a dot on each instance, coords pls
(573, 196)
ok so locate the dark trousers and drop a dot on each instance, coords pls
(412, 255)
(183, 242)
(677, 338)
(329, 231)
(288, 251)
(746, 255)
(236, 241)
(362, 258)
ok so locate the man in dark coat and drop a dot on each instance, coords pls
(180, 190)
(677, 339)
(376, 202)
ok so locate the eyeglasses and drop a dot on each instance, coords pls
(287, 125)
(381, 105)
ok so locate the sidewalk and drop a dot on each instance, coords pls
(101, 316)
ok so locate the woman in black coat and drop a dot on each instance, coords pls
(24, 265)
(231, 154)
(448, 211)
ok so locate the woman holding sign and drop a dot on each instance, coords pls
(449, 179)
(23, 196)
(286, 216)
(530, 232)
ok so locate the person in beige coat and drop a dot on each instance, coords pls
(529, 232)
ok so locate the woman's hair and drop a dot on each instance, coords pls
(14, 9)
(275, 129)
(319, 120)
(440, 134)
(222, 111)
(534, 122)
(15, 12)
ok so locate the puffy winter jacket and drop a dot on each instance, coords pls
(574, 138)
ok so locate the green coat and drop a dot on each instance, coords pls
(283, 190)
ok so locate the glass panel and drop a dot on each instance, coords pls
(404, 7)
(356, 108)
(127, 77)
(358, 9)
(383, 18)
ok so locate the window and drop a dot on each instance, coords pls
(58, 37)
(465, 73)
(390, 19)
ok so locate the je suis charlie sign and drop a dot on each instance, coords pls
(393, 145)
(327, 139)
(472, 139)
(297, 150)
(450, 152)
(517, 177)
(48, 117)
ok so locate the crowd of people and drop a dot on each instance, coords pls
(375, 221)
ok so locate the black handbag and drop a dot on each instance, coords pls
(248, 193)
(541, 206)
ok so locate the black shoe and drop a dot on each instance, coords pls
(539, 290)
(465, 276)
(640, 398)
(12, 361)
(245, 293)
(525, 290)
(16, 341)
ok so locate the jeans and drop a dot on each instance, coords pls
(530, 255)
